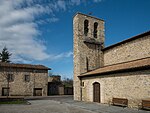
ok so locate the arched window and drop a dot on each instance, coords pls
(86, 29)
(95, 29)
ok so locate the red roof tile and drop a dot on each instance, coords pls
(27, 66)
(145, 62)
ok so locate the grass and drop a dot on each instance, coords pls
(14, 102)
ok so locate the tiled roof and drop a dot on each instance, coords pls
(128, 40)
(145, 62)
(27, 66)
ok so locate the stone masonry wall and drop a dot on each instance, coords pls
(135, 49)
(134, 86)
(85, 52)
(19, 87)
(54, 78)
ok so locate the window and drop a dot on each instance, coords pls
(27, 78)
(86, 29)
(95, 29)
(10, 77)
(82, 84)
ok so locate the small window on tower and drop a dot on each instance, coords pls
(95, 29)
(86, 29)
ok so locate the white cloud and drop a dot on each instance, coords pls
(61, 4)
(60, 56)
(19, 27)
(18, 31)
(97, 0)
(75, 2)
(48, 20)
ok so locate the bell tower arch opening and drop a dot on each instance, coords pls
(86, 25)
(95, 29)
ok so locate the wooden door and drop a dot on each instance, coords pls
(96, 92)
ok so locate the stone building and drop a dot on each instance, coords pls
(23, 80)
(102, 73)
(55, 86)
(58, 87)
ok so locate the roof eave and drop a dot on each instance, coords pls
(115, 71)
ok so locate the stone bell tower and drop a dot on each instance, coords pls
(88, 44)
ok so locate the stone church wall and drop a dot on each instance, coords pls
(132, 50)
(133, 86)
(86, 54)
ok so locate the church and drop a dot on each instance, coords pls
(119, 71)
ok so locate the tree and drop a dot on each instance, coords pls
(6, 72)
(68, 82)
(5, 55)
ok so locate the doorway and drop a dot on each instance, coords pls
(96, 92)
(37, 91)
(5, 91)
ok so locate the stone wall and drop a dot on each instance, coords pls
(54, 78)
(87, 56)
(19, 87)
(90, 54)
(135, 49)
(134, 86)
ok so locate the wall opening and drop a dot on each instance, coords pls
(86, 29)
(96, 92)
(95, 29)
(5, 91)
(37, 92)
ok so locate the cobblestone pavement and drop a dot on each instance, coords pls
(64, 104)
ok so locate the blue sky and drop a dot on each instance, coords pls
(40, 31)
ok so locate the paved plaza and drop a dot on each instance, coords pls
(64, 104)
